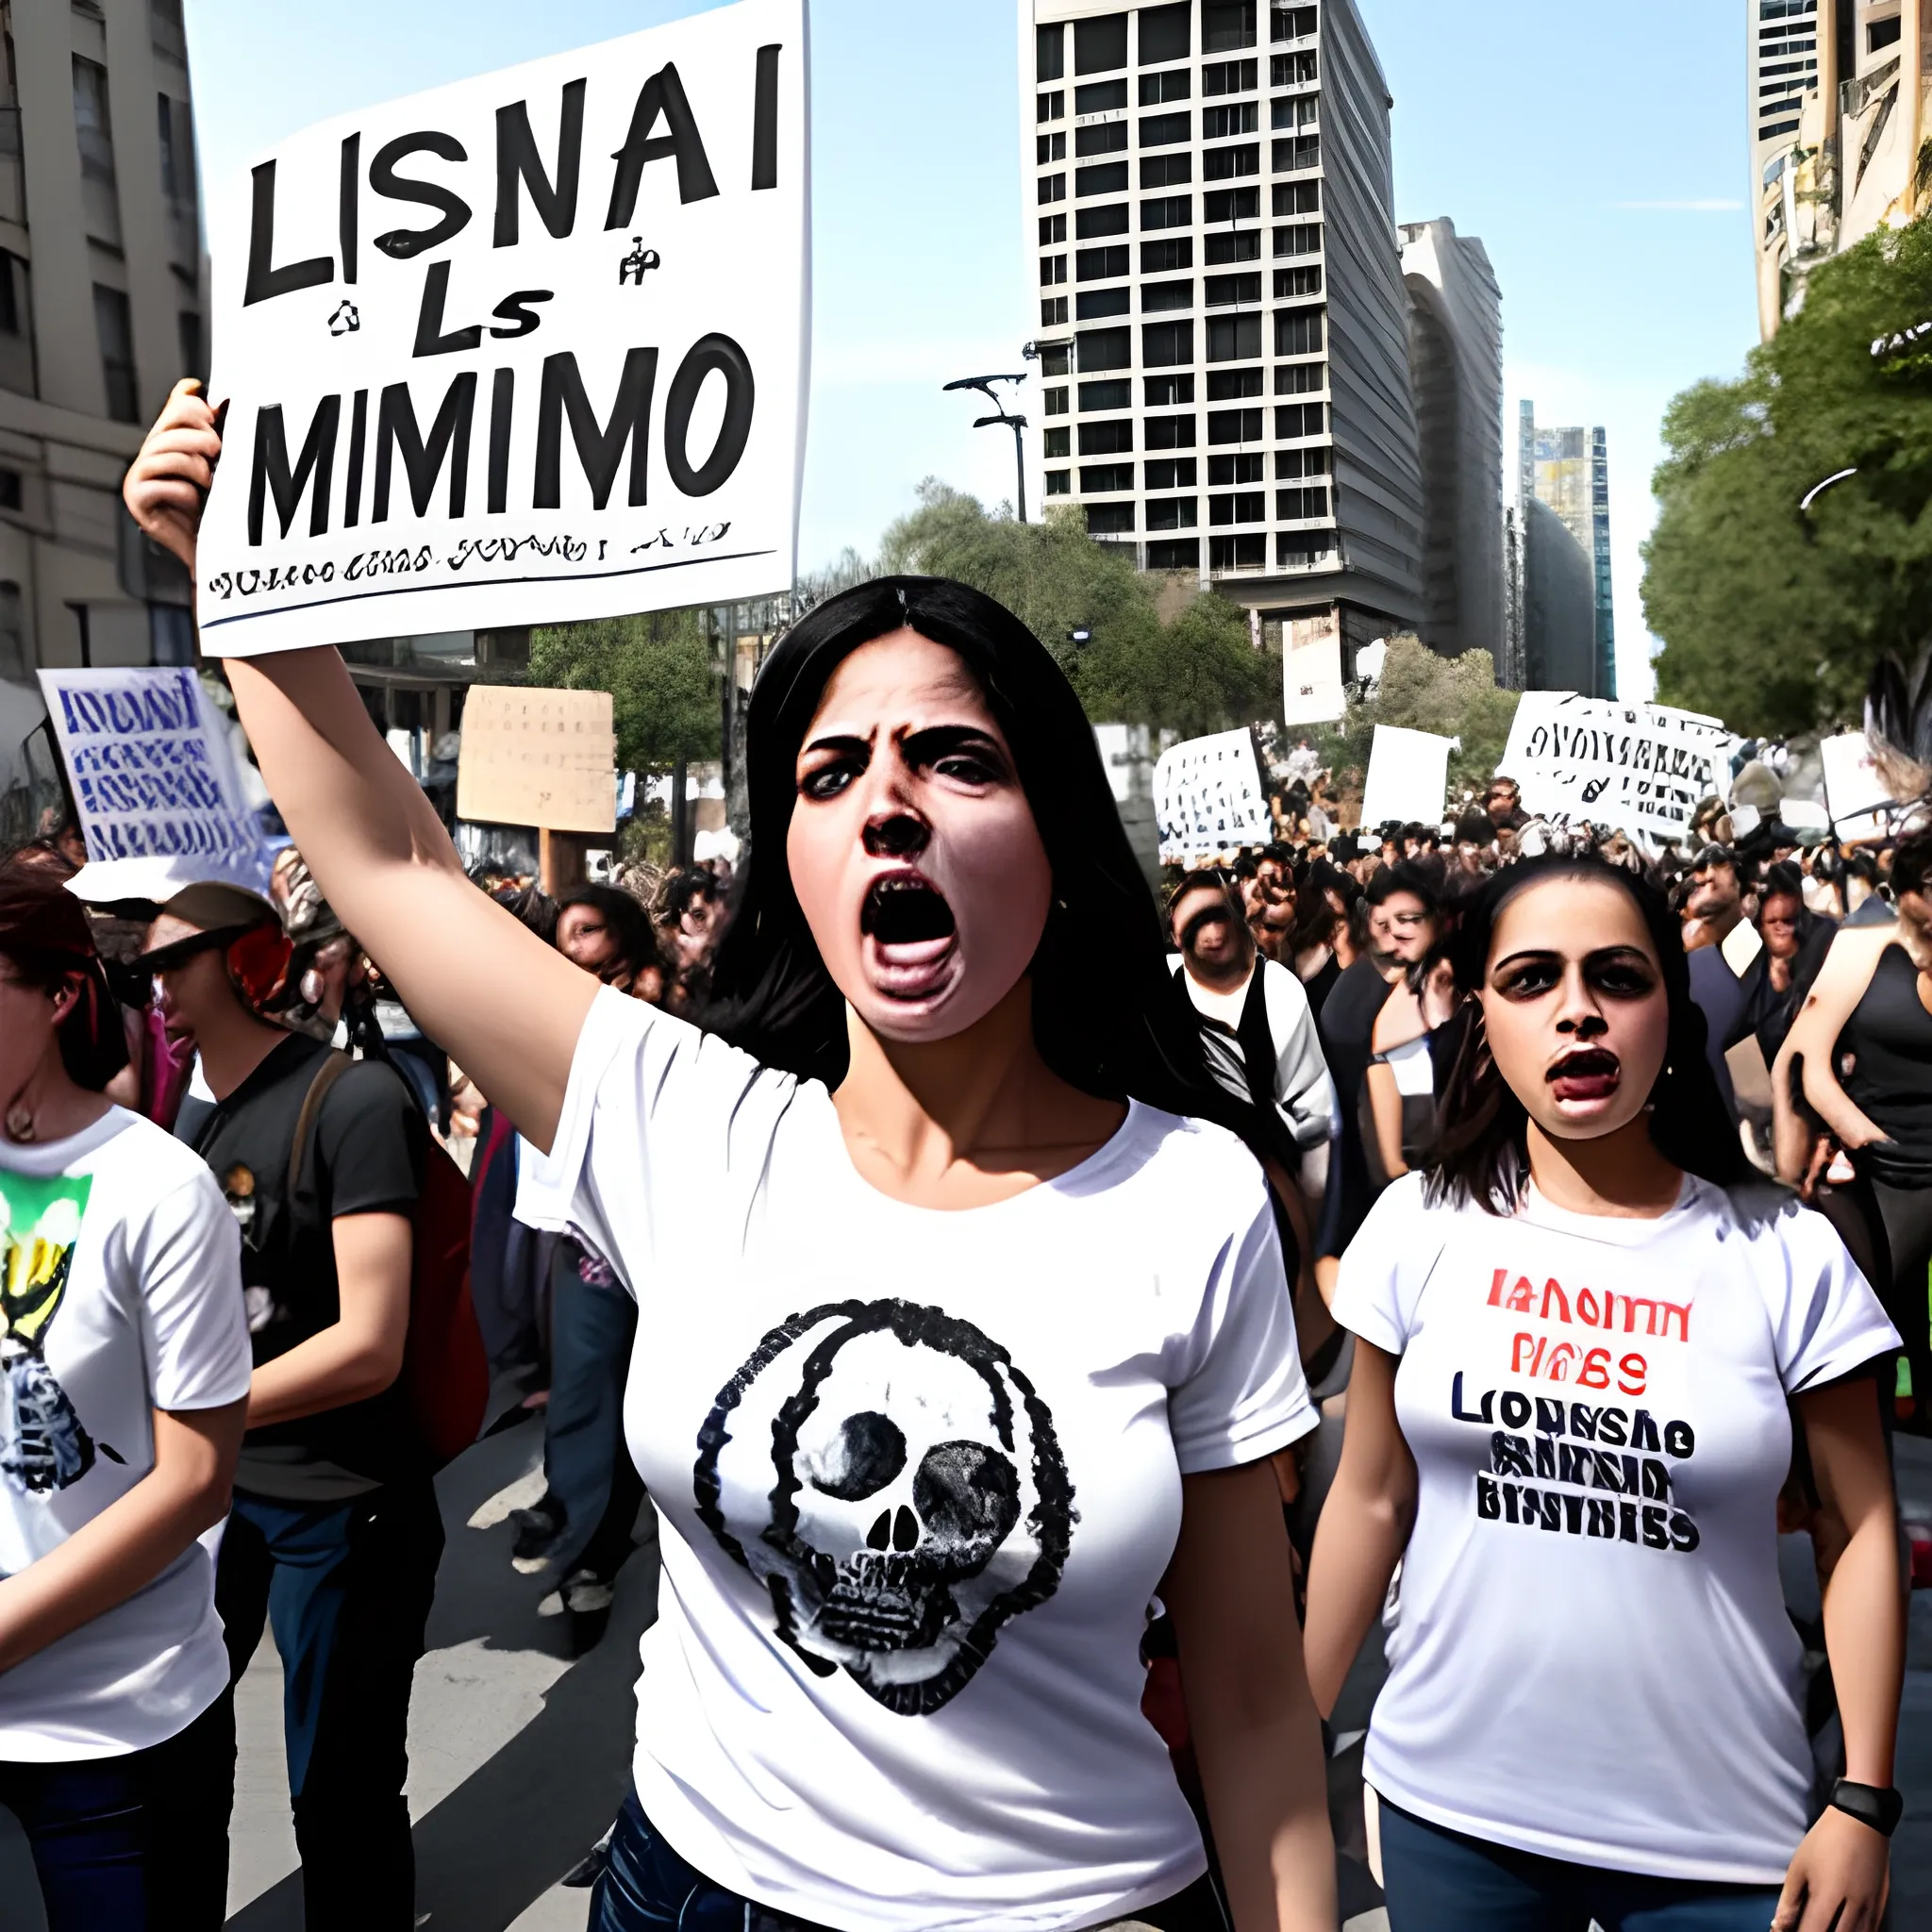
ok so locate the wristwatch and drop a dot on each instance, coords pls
(1868, 1804)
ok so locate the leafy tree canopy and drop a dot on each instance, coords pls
(657, 670)
(1771, 617)
(1454, 697)
(1197, 674)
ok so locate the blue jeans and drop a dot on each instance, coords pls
(347, 1587)
(138, 1843)
(1436, 1880)
(647, 1888)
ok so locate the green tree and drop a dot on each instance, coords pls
(657, 670)
(1196, 675)
(1772, 616)
(1454, 697)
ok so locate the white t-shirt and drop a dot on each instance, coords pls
(120, 1293)
(1593, 1660)
(918, 1476)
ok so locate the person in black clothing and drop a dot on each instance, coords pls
(334, 1534)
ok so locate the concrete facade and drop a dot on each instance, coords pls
(103, 307)
(1221, 321)
(1558, 606)
(1455, 370)
(1568, 472)
(1837, 94)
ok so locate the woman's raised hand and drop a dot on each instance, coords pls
(169, 479)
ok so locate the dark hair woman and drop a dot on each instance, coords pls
(607, 932)
(124, 1385)
(1862, 1047)
(1581, 1333)
(962, 1391)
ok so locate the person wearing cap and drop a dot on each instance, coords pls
(334, 1534)
(124, 1392)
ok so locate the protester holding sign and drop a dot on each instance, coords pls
(1582, 1330)
(932, 1430)
(123, 1381)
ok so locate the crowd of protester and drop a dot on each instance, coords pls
(977, 1273)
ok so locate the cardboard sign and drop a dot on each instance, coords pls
(1207, 798)
(154, 782)
(538, 758)
(530, 348)
(1311, 692)
(1644, 769)
(1856, 795)
(1409, 772)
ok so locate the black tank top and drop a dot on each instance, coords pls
(1889, 1039)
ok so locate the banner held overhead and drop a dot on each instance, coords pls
(154, 781)
(1642, 768)
(530, 348)
(1409, 772)
(1207, 798)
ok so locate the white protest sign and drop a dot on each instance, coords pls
(1207, 798)
(1854, 789)
(154, 781)
(1409, 772)
(1644, 769)
(1311, 692)
(526, 349)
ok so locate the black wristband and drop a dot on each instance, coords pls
(1868, 1804)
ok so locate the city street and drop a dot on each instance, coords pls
(518, 1757)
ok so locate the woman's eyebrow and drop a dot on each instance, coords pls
(840, 741)
(1527, 954)
(936, 740)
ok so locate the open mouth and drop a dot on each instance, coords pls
(904, 910)
(1592, 1073)
(911, 931)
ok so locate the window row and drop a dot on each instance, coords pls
(1232, 553)
(1161, 34)
(1178, 472)
(1227, 338)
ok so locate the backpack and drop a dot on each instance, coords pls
(445, 1377)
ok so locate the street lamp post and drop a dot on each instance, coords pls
(1016, 424)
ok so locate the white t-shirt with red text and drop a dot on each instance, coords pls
(1593, 1660)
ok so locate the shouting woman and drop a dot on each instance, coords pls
(963, 1326)
(1585, 1334)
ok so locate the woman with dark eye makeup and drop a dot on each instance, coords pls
(934, 1388)
(1583, 1335)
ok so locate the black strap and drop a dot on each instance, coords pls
(1870, 1805)
(333, 1067)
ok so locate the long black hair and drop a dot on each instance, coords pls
(1481, 1152)
(1107, 1015)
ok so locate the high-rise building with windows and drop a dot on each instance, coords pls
(1563, 491)
(1839, 95)
(1222, 320)
(1456, 371)
(103, 296)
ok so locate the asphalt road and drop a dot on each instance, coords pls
(519, 1756)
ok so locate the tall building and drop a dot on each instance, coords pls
(1222, 316)
(1568, 471)
(1562, 626)
(1456, 369)
(102, 307)
(1838, 95)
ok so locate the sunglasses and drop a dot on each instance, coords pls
(167, 959)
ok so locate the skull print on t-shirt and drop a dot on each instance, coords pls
(913, 1494)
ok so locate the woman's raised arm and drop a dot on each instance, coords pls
(506, 1006)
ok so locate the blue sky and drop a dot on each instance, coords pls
(1600, 155)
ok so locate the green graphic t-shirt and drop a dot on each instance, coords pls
(120, 1293)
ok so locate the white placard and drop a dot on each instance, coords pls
(155, 783)
(1854, 789)
(1409, 773)
(1312, 689)
(1207, 798)
(1643, 769)
(526, 349)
